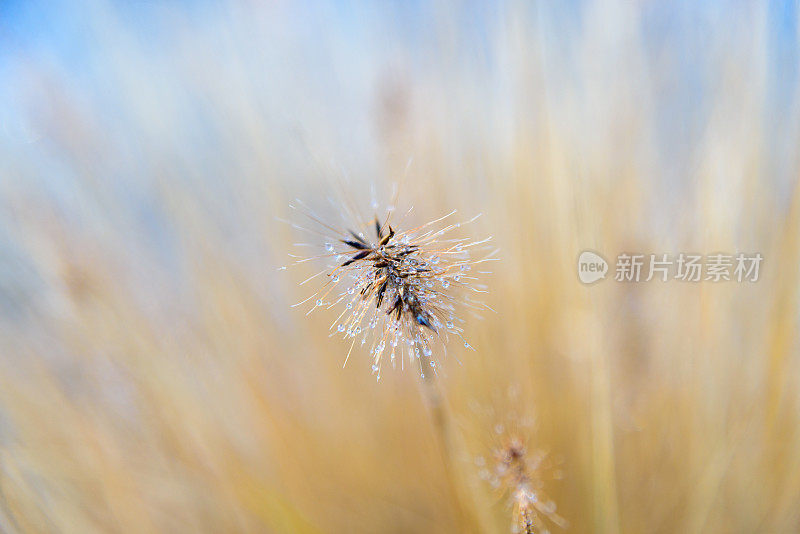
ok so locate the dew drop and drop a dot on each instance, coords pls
(340, 328)
(457, 277)
(335, 278)
(319, 302)
(445, 284)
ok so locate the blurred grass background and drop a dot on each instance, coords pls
(155, 379)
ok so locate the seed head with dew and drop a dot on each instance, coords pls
(518, 473)
(401, 291)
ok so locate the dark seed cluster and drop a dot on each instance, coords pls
(401, 290)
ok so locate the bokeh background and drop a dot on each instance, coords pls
(153, 377)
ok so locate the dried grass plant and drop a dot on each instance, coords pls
(154, 377)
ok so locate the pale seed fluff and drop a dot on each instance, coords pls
(518, 473)
(400, 292)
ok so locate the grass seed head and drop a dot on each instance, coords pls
(401, 292)
(518, 474)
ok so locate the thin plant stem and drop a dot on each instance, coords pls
(449, 444)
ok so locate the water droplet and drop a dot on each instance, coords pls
(445, 284)
(349, 305)
(319, 302)
(340, 328)
(374, 368)
(457, 277)
(350, 290)
(329, 247)
(449, 325)
(335, 278)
